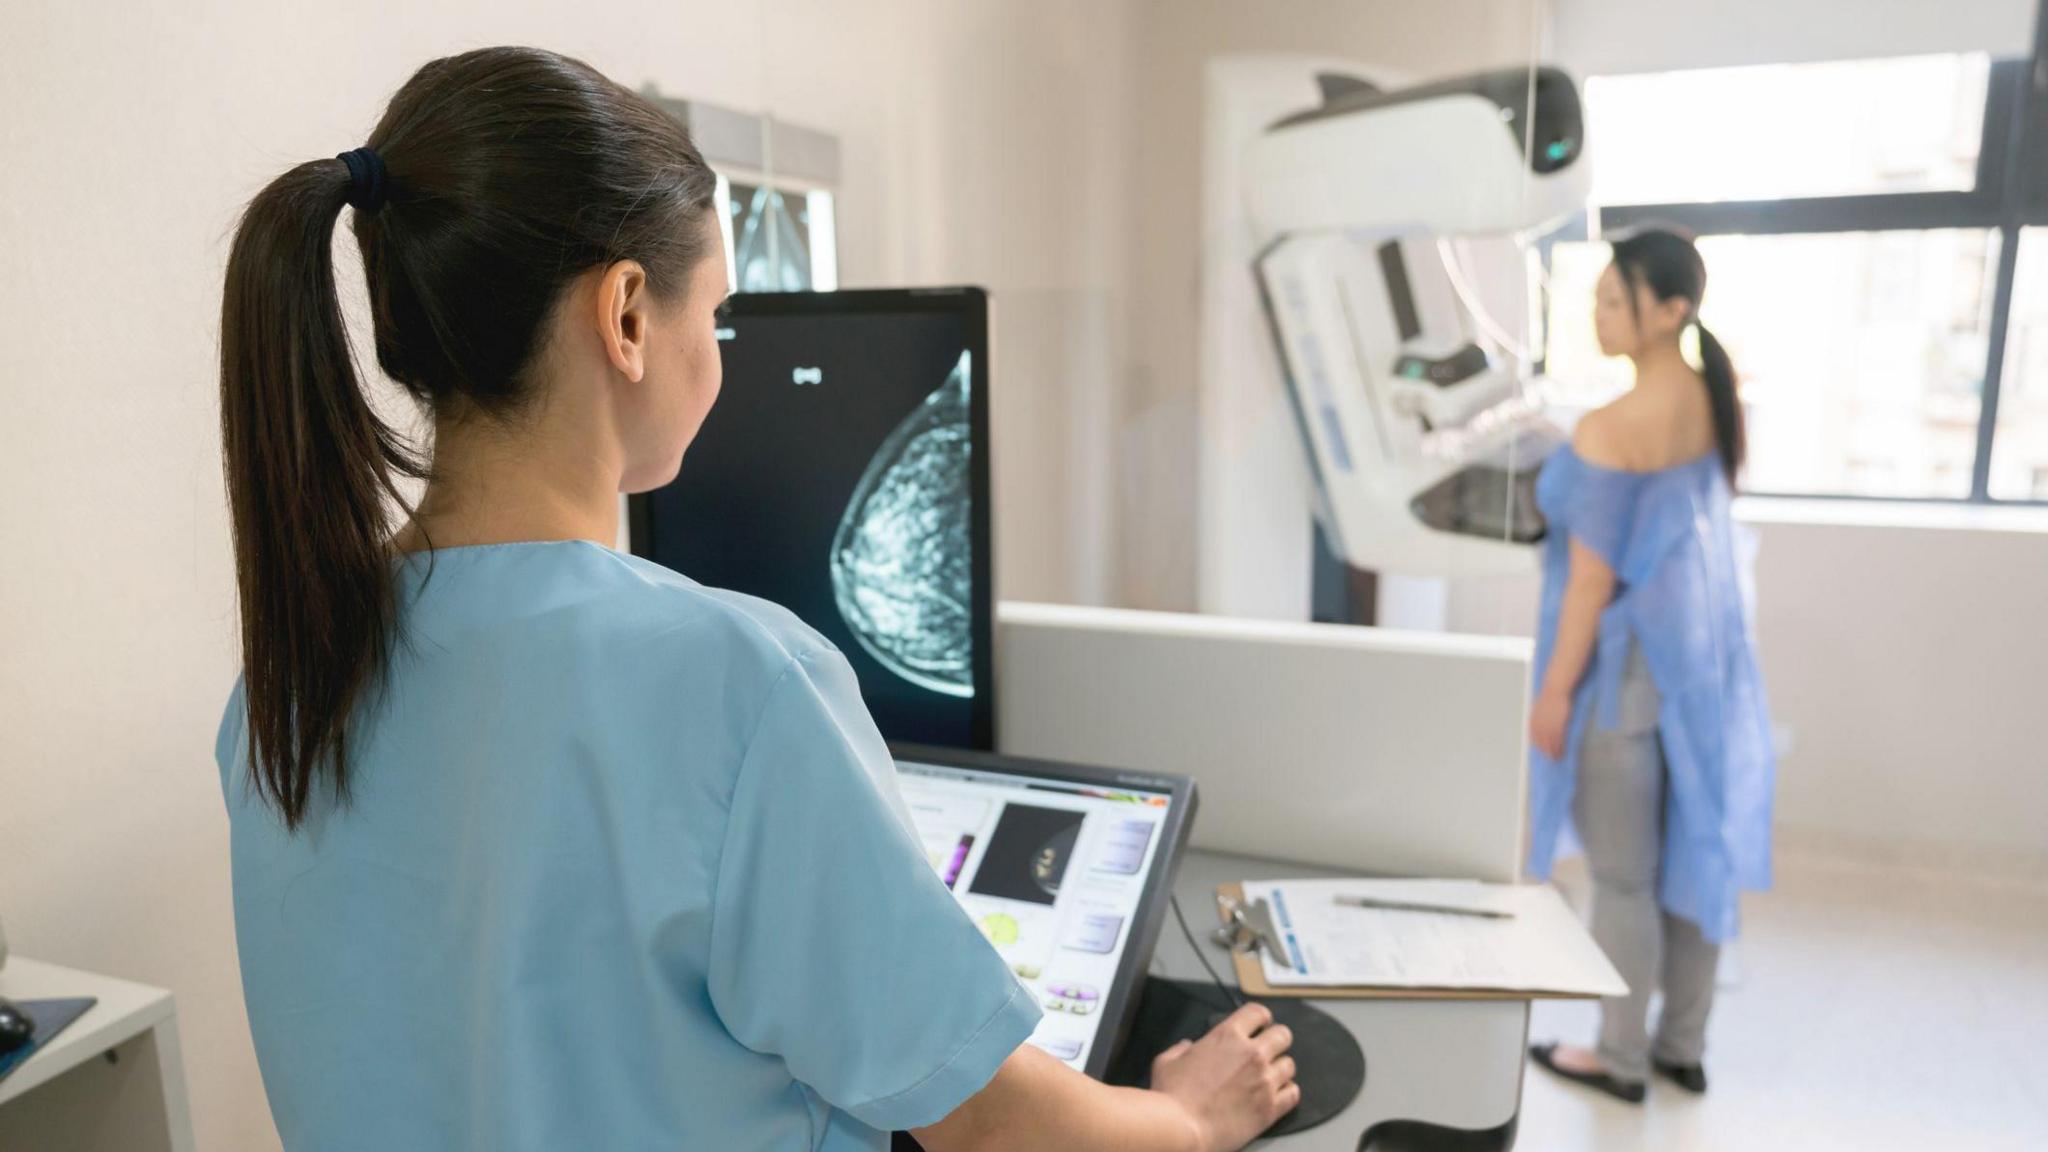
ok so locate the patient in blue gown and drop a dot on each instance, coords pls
(1650, 736)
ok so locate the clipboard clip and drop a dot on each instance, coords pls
(1248, 927)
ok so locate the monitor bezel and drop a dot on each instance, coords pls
(971, 305)
(1120, 1007)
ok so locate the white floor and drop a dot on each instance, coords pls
(1871, 1008)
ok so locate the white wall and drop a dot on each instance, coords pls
(1907, 655)
(132, 134)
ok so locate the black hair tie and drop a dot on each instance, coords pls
(365, 179)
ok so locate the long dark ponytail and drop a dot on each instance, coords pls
(1669, 264)
(494, 178)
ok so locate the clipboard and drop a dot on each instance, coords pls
(1251, 974)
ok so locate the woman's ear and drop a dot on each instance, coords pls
(1672, 315)
(624, 306)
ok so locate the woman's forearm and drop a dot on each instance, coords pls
(1577, 625)
(1035, 1102)
(1588, 591)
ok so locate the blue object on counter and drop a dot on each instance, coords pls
(51, 1017)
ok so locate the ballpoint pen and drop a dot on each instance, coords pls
(1418, 906)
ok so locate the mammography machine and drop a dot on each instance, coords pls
(1378, 211)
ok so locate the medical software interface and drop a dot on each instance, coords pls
(1052, 871)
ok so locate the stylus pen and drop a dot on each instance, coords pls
(1412, 906)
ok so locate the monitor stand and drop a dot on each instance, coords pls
(1329, 1065)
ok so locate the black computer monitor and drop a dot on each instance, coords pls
(844, 475)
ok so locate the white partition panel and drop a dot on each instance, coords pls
(1360, 748)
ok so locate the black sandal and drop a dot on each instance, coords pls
(1691, 1077)
(1626, 1091)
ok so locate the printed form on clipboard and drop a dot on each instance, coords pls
(1453, 935)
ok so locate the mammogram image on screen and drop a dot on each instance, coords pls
(771, 240)
(1028, 855)
(838, 477)
(902, 561)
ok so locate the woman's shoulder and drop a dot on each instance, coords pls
(690, 657)
(1601, 438)
(776, 632)
(625, 616)
(1642, 436)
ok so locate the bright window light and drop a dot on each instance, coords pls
(1787, 131)
(2019, 454)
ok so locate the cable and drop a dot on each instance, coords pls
(1449, 252)
(1229, 993)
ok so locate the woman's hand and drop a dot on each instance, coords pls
(1212, 1095)
(1235, 1081)
(1549, 722)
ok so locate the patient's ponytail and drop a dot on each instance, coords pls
(1730, 437)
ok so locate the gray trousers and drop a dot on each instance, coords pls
(1618, 809)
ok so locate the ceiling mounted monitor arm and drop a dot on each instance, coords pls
(1386, 219)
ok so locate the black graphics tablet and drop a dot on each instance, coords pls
(843, 474)
(1068, 872)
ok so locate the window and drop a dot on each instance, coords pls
(1787, 131)
(2019, 455)
(1880, 284)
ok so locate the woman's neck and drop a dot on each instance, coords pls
(1660, 364)
(498, 485)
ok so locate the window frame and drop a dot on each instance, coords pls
(2011, 193)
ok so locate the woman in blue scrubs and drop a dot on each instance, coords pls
(1649, 733)
(536, 845)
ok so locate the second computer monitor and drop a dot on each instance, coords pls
(843, 474)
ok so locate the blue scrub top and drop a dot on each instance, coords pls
(1671, 541)
(624, 866)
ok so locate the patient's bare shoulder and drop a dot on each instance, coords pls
(1601, 439)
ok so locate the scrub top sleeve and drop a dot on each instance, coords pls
(231, 736)
(833, 681)
(834, 946)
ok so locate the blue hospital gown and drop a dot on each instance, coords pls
(1678, 596)
(625, 867)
